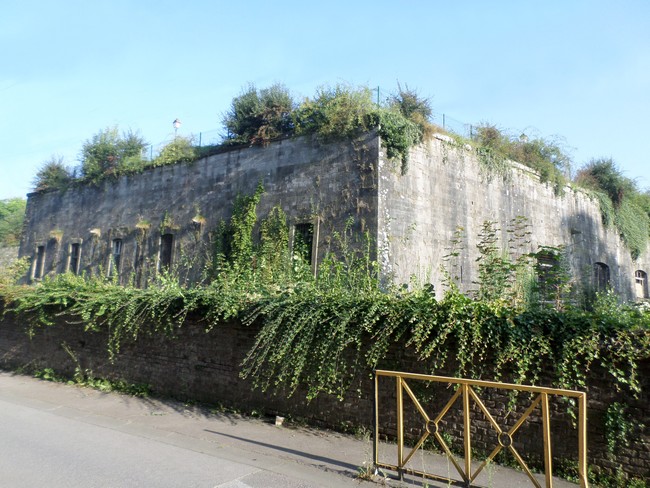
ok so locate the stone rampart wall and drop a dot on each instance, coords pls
(446, 188)
(411, 215)
(318, 184)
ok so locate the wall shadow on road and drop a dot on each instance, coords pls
(349, 470)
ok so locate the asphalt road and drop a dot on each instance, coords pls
(41, 448)
(54, 435)
(59, 436)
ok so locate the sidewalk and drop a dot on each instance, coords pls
(274, 456)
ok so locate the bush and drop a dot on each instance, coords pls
(411, 105)
(336, 112)
(181, 149)
(343, 112)
(52, 175)
(109, 153)
(621, 203)
(546, 156)
(604, 175)
(257, 116)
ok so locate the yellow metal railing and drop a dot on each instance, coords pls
(465, 391)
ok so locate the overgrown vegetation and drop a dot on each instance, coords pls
(109, 153)
(340, 112)
(257, 116)
(311, 324)
(180, 150)
(323, 334)
(52, 175)
(546, 156)
(12, 213)
(622, 203)
(86, 378)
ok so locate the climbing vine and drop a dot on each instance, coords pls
(321, 333)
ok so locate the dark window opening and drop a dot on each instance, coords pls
(303, 240)
(601, 276)
(548, 273)
(116, 257)
(75, 257)
(40, 262)
(166, 248)
(641, 284)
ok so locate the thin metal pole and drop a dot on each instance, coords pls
(466, 433)
(546, 427)
(200, 139)
(375, 413)
(582, 441)
(400, 429)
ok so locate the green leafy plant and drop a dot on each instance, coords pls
(109, 153)
(621, 202)
(339, 112)
(180, 150)
(257, 116)
(12, 213)
(344, 112)
(547, 157)
(52, 175)
(618, 427)
(11, 274)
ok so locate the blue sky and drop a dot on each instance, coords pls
(575, 69)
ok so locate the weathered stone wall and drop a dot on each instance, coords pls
(313, 183)
(413, 216)
(445, 188)
(205, 366)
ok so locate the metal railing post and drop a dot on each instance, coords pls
(466, 432)
(400, 429)
(546, 427)
(375, 413)
(582, 441)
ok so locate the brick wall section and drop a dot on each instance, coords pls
(205, 367)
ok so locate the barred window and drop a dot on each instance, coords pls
(641, 284)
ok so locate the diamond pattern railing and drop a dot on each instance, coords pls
(466, 393)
